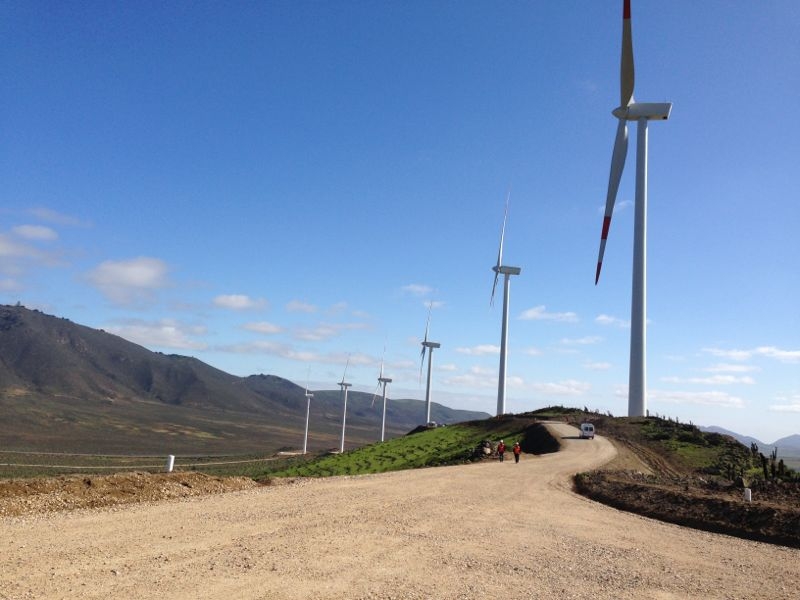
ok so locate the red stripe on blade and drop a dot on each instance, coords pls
(626, 9)
(606, 225)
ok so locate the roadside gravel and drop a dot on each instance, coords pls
(498, 530)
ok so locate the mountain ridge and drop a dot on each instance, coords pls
(67, 386)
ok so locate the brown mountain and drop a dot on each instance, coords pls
(65, 387)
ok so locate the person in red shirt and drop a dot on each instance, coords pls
(501, 449)
(517, 450)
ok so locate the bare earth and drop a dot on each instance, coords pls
(506, 531)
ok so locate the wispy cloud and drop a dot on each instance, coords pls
(57, 218)
(597, 366)
(38, 233)
(417, 289)
(326, 331)
(239, 302)
(262, 327)
(568, 387)
(582, 341)
(789, 404)
(539, 313)
(480, 350)
(131, 281)
(729, 368)
(300, 306)
(710, 398)
(613, 321)
(785, 356)
(713, 380)
(164, 333)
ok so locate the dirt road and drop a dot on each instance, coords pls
(506, 531)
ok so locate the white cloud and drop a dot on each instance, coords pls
(480, 350)
(609, 320)
(789, 404)
(51, 216)
(9, 285)
(129, 281)
(729, 368)
(785, 356)
(584, 341)
(539, 313)
(533, 351)
(35, 232)
(239, 302)
(165, 333)
(299, 306)
(262, 327)
(710, 398)
(326, 331)
(569, 387)
(449, 368)
(597, 366)
(713, 380)
(417, 289)
(618, 207)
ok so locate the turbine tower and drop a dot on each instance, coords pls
(429, 346)
(344, 387)
(507, 272)
(382, 381)
(309, 396)
(641, 112)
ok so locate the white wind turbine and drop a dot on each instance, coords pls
(309, 396)
(507, 272)
(641, 112)
(382, 381)
(344, 387)
(429, 346)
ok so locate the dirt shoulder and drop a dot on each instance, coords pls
(484, 530)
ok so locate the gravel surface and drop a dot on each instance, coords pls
(494, 530)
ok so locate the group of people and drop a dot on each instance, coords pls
(501, 450)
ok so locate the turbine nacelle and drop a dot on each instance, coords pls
(652, 111)
(507, 270)
(431, 345)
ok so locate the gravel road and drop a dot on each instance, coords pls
(491, 530)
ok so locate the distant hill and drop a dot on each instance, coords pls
(788, 447)
(67, 387)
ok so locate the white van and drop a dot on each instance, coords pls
(587, 431)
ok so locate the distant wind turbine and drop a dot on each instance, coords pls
(499, 269)
(641, 112)
(344, 387)
(429, 346)
(382, 381)
(309, 396)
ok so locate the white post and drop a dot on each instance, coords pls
(170, 463)
(637, 379)
(383, 420)
(748, 495)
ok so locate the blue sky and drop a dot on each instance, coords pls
(275, 186)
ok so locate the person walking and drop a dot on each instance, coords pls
(517, 450)
(501, 450)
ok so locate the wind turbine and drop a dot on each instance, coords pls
(507, 272)
(309, 396)
(344, 387)
(426, 345)
(382, 381)
(641, 112)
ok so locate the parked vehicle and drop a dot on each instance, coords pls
(587, 431)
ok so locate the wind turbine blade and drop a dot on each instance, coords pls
(347, 364)
(626, 77)
(617, 165)
(428, 322)
(500, 251)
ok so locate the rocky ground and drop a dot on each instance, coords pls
(29, 496)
